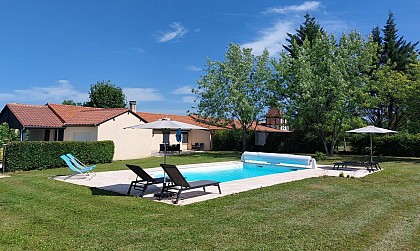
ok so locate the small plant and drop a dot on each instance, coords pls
(341, 174)
(320, 155)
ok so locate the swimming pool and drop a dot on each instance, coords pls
(233, 171)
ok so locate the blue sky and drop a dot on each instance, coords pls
(156, 50)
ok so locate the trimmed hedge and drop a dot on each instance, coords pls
(294, 142)
(30, 155)
(399, 144)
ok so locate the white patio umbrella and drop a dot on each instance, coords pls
(166, 124)
(371, 130)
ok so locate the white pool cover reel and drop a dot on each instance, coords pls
(279, 159)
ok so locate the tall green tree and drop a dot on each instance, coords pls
(396, 51)
(235, 89)
(307, 31)
(413, 100)
(323, 84)
(104, 94)
(391, 79)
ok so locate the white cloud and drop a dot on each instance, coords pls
(178, 31)
(335, 26)
(138, 50)
(185, 90)
(57, 93)
(188, 99)
(271, 38)
(306, 6)
(193, 68)
(143, 94)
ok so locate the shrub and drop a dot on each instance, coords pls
(399, 144)
(29, 155)
(227, 140)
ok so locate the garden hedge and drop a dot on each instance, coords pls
(399, 144)
(30, 155)
(293, 142)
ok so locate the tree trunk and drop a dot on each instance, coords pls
(324, 142)
(244, 138)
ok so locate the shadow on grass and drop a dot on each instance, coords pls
(102, 192)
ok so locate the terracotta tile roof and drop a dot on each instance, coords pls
(150, 117)
(86, 116)
(67, 112)
(35, 116)
(275, 112)
(95, 116)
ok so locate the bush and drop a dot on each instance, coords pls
(30, 155)
(399, 144)
(227, 140)
(294, 142)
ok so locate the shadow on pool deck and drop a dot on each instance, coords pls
(119, 182)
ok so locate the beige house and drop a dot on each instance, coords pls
(53, 122)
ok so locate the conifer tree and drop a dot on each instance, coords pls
(309, 30)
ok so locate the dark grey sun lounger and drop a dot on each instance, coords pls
(181, 184)
(143, 179)
(370, 165)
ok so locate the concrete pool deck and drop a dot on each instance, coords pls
(119, 182)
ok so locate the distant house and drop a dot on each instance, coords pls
(55, 122)
(275, 119)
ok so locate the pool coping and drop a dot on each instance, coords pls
(119, 181)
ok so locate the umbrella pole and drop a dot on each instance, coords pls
(371, 148)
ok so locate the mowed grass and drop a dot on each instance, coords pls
(378, 212)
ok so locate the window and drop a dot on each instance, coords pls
(47, 135)
(185, 137)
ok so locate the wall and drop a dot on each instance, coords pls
(157, 139)
(200, 136)
(129, 143)
(36, 134)
(81, 133)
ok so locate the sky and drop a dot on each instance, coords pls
(156, 51)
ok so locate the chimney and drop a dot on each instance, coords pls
(132, 105)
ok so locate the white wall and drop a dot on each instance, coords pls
(200, 136)
(129, 143)
(81, 133)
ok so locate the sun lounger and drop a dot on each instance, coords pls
(79, 164)
(143, 179)
(180, 184)
(370, 165)
(76, 170)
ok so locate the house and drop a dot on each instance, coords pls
(275, 119)
(56, 122)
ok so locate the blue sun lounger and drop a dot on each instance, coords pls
(76, 170)
(79, 164)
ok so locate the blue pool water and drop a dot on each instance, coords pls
(233, 171)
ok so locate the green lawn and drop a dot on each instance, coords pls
(378, 212)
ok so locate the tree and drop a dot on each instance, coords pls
(396, 50)
(307, 31)
(106, 95)
(391, 78)
(7, 134)
(323, 84)
(235, 89)
(413, 100)
(71, 102)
